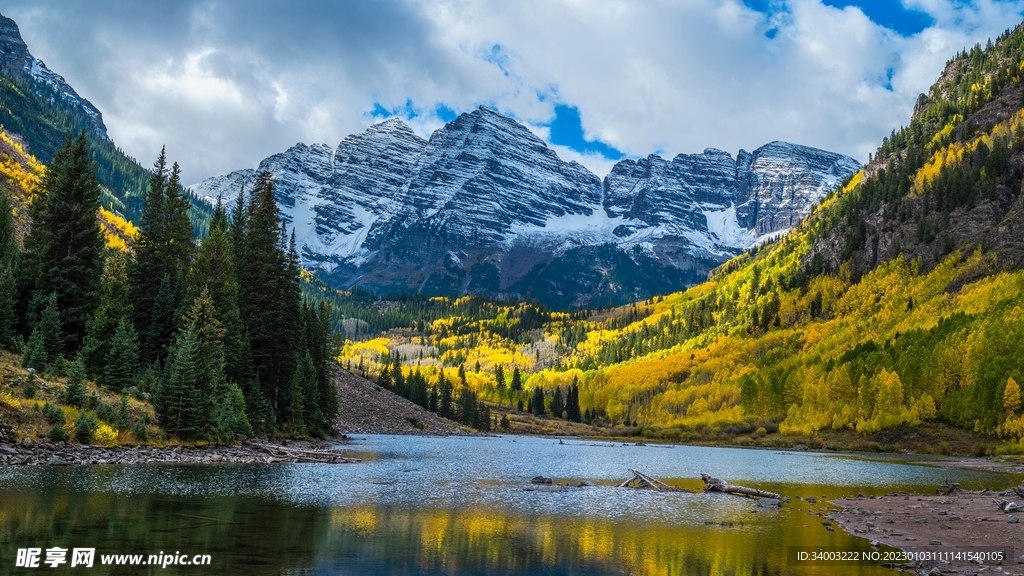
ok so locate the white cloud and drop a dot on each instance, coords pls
(225, 84)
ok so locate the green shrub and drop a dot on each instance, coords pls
(85, 425)
(30, 386)
(140, 430)
(57, 433)
(106, 412)
(53, 414)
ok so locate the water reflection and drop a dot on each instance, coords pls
(451, 506)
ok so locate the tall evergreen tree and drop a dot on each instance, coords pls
(115, 307)
(444, 397)
(8, 271)
(572, 402)
(50, 329)
(64, 248)
(499, 378)
(537, 402)
(163, 321)
(517, 380)
(213, 270)
(315, 422)
(557, 402)
(230, 418)
(179, 406)
(270, 301)
(201, 321)
(164, 250)
(122, 360)
(147, 271)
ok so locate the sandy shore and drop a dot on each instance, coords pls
(943, 524)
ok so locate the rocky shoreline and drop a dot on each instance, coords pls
(942, 527)
(60, 454)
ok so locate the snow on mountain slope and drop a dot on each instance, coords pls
(16, 60)
(484, 201)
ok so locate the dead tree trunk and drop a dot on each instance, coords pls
(717, 485)
(641, 480)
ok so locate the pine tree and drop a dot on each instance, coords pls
(121, 417)
(270, 301)
(384, 378)
(115, 308)
(537, 402)
(295, 403)
(163, 253)
(8, 271)
(398, 378)
(8, 301)
(147, 271)
(444, 396)
(517, 380)
(65, 245)
(35, 351)
(572, 402)
(316, 424)
(230, 418)
(74, 388)
(122, 361)
(557, 402)
(180, 403)
(201, 321)
(8, 244)
(213, 270)
(499, 378)
(50, 331)
(163, 321)
(181, 239)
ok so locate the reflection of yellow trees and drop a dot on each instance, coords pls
(475, 540)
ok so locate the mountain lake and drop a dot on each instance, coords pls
(457, 505)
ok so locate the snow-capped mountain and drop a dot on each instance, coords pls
(16, 60)
(484, 206)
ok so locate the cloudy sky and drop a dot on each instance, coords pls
(226, 83)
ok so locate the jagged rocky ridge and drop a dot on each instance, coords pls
(484, 206)
(16, 60)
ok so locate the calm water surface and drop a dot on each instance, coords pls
(453, 506)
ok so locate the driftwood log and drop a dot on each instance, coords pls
(319, 456)
(643, 481)
(717, 485)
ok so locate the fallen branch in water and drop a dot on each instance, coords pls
(298, 455)
(643, 481)
(717, 485)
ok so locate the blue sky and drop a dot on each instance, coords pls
(226, 83)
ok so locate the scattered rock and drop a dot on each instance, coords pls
(1013, 520)
(935, 543)
(768, 503)
(540, 480)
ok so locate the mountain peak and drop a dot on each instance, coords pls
(16, 60)
(485, 206)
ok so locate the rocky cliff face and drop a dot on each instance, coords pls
(486, 207)
(17, 61)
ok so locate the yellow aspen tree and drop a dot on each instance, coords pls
(1011, 397)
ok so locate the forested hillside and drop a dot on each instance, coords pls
(898, 301)
(214, 334)
(41, 120)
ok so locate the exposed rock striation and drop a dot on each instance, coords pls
(485, 207)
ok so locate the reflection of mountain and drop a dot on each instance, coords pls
(486, 207)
